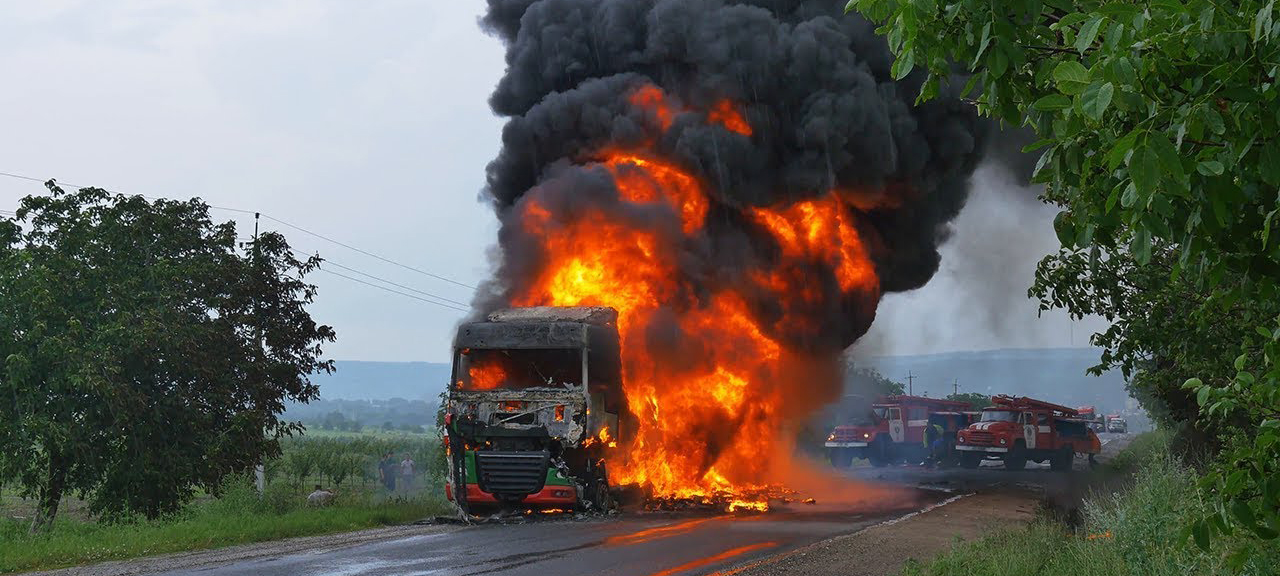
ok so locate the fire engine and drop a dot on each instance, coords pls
(1017, 429)
(892, 431)
(1093, 417)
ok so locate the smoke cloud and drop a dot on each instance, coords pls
(813, 85)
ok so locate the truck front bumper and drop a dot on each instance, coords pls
(846, 444)
(969, 448)
(548, 496)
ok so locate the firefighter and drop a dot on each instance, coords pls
(934, 443)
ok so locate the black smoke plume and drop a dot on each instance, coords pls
(814, 85)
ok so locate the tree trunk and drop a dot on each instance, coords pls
(50, 496)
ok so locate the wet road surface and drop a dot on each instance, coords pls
(639, 544)
(646, 544)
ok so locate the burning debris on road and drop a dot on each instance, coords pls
(741, 181)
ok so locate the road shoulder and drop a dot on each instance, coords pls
(262, 550)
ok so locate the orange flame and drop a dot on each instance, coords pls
(651, 98)
(713, 423)
(822, 229)
(606, 439)
(486, 376)
(725, 114)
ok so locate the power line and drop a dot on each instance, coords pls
(21, 177)
(405, 294)
(444, 302)
(326, 261)
(369, 254)
(282, 222)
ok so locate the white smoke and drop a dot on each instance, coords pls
(978, 299)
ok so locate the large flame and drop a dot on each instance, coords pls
(485, 375)
(713, 408)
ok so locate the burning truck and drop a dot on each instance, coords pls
(742, 182)
(535, 409)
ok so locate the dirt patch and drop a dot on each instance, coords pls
(885, 548)
(204, 558)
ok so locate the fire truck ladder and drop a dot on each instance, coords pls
(1022, 402)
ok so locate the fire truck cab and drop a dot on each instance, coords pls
(1094, 419)
(1017, 429)
(892, 431)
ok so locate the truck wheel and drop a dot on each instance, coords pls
(1061, 462)
(597, 490)
(878, 454)
(1016, 459)
(970, 460)
(843, 457)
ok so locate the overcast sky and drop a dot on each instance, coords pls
(368, 122)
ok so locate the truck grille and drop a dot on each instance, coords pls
(511, 474)
(980, 438)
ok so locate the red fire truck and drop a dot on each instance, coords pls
(1093, 417)
(1017, 429)
(892, 431)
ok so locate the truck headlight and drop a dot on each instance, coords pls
(832, 437)
(960, 439)
(866, 435)
(1002, 442)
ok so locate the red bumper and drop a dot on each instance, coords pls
(548, 496)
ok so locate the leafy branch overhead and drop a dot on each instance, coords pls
(1158, 136)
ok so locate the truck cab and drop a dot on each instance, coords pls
(535, 409)
(1092, 417)
(1117, 425)
(1018, 429)
(893, 430)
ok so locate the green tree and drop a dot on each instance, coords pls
(145, 353)
(870, 383)
(1158, 130)
(976, 400)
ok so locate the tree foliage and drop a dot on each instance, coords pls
(976, 400)
(1158, 131)
(144, 351)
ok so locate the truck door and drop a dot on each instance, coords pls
(896, 431)
(1029, 429)
(1044, 430)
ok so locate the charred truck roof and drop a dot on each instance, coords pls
(542, 327)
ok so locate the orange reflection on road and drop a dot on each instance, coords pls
(657, 532)
(727, 554)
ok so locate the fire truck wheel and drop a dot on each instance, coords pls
(970, 460)
(841, 457)
(877, 454)
(1061, 461)
(1016, 459)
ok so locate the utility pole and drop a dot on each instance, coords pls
(910, 380)
(259, 471)
(955, 387)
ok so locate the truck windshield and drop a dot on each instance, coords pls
(514, 369)
(869, 418)
(880, 413)
(999, 416)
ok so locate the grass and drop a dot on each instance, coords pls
(1136, 531)
(238, 517)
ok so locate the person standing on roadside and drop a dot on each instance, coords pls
(387, 470)
(406, 473)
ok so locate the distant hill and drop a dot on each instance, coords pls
(1053, 374)
(359, 380)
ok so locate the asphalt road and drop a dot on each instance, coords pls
(639, 544)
